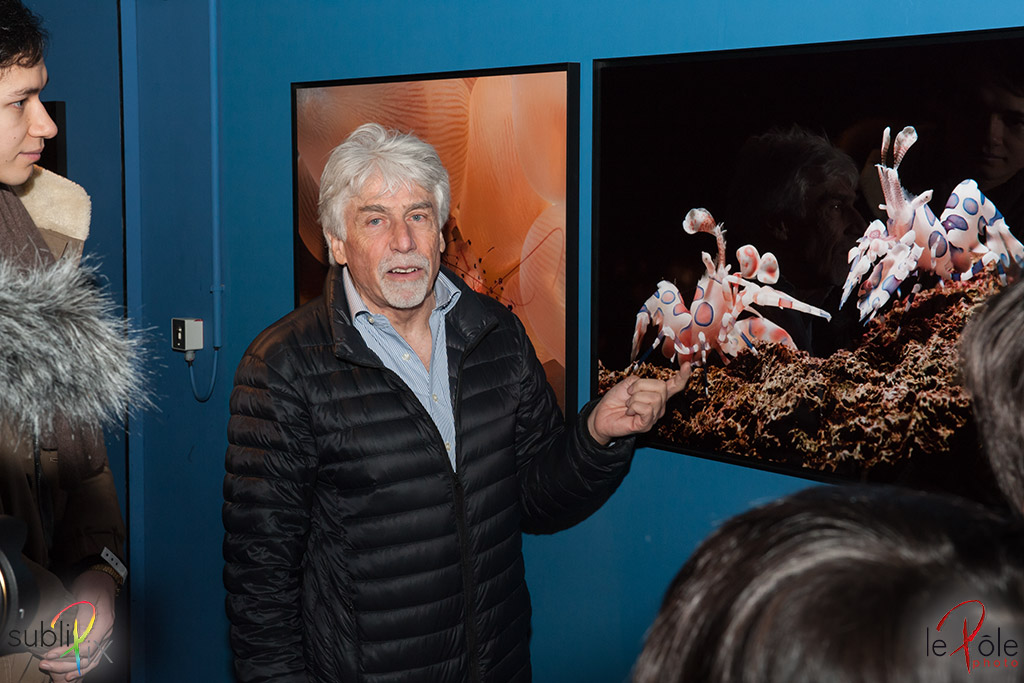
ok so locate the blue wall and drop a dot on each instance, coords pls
(595, 587)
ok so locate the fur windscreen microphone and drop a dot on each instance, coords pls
(65, 349)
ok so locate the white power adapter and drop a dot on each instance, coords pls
(186, 334)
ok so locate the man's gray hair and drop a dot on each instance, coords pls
(374, 152)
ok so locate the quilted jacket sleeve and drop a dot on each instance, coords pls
(564, 475)
(271, 469)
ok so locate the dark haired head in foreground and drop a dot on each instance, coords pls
(845, 584)
(992, 359)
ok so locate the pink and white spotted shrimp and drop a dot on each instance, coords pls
(968, 237)
(712, 321)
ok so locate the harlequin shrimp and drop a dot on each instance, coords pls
(713, 319)
(968, 237)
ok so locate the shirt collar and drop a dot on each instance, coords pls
(446, 295)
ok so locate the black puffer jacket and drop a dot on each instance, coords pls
(353, 551)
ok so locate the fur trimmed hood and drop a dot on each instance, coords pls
(65, 350)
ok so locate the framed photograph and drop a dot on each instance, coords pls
(778, 147)
(510, 141)
(55, 152)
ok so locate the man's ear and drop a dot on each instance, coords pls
(449, 227)
(337, 248)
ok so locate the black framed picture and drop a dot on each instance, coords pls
(55, 152)
(779, 149)
(510, 141)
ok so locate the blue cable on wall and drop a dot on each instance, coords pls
(218, 287)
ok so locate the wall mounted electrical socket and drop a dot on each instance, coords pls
(186, 334)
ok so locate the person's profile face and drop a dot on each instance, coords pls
(24, 123)
(824, 245)
(997, 136)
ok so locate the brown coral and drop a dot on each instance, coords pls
(891, 409)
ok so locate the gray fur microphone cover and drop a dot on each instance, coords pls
(65, 349)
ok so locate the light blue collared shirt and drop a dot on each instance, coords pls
(430, 387)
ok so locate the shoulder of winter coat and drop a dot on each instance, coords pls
(307, 325)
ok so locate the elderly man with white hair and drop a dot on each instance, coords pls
(389, 443)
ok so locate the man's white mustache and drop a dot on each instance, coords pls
(407, 261)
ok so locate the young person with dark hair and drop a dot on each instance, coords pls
(54, 477)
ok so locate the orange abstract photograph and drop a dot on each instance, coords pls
(503, 136)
